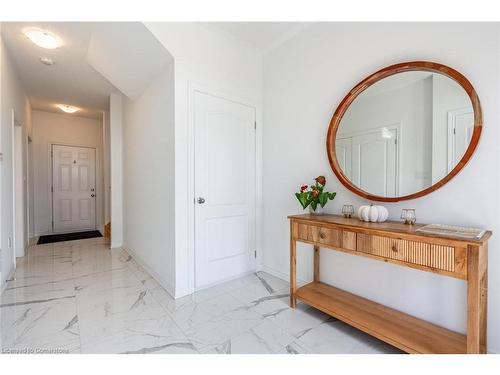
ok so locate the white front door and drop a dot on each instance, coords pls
(374, 162)
(73, 185)
(224, 189)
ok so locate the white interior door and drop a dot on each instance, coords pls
(460, 129)
(73, 178)
(224, 188)
(343, 149)
(374, 162)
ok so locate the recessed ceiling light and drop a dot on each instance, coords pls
(43, 38)
(46, 61)
(67, 108)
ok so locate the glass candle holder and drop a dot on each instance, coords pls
(408, 216)
(348, 210)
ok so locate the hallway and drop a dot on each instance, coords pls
(81, 297)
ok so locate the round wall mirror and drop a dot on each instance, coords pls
(404, 131)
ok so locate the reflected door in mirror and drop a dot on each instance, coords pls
(369, 160)
(460, 129)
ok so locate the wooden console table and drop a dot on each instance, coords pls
(399, 244)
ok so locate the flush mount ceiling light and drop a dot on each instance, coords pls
(67, 108)
(46, 61)
(43, 38)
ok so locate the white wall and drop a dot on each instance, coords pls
(49, 128)
(20, 238)
(148, 178)
(212, 61)
(12, 96)
(304, 80)
(116, 168)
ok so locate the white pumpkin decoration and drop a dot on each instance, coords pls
(375, 214)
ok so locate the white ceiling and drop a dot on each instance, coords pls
(74, 78)
(264, 36)
(129, 56)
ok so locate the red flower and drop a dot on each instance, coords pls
(303, 188)
(321, 180)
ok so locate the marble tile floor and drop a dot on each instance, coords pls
(81, 297)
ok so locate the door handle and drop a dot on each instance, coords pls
(92, 195)
(201, 200)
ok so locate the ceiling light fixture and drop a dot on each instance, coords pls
(43, 38)
(46, 61)
(67, 108)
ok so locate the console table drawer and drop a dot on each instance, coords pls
(322, 235)
(419, 253)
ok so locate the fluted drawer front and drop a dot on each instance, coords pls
(322, 235)
(424, 254)
(442, 257)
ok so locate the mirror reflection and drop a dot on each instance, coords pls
(404, 133)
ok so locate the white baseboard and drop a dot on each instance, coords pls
(164, 283)
(3, 283)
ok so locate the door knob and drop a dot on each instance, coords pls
(92, 195)
(201, 200)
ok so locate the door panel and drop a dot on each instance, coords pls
(225, 179)
(73, 186)
(374, 162)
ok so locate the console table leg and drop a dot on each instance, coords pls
(477, 296)
(316, 263)
(293, 272)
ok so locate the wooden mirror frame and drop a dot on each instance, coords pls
(377, 76)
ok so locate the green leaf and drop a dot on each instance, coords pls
(323, 199)
(303, 199)
(331, 195)
(314, 204)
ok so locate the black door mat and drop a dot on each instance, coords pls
(68, 237)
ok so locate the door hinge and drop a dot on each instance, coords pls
(52, 189)
(255, 124)
(454, 130)
(255, 253)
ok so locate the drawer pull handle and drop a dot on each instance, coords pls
(394, 248)
(321, 235)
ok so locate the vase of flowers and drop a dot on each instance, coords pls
(314, 196)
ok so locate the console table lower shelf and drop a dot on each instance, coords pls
(401, 330)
